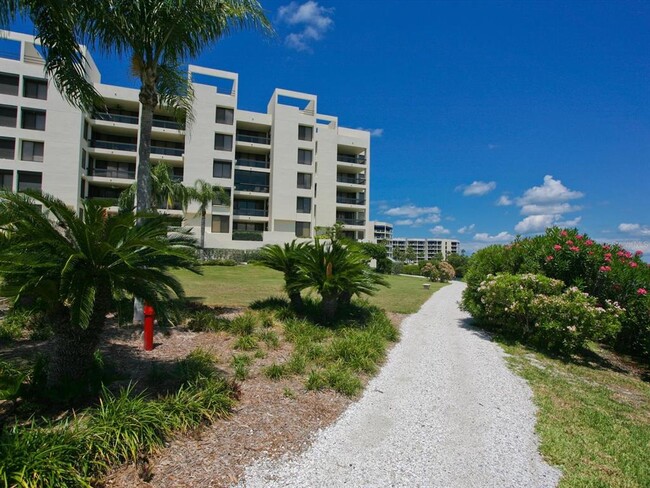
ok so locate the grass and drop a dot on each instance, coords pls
(239, 286)
(593, 420)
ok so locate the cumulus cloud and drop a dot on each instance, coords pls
(500, 237)
(551, 192)
(467, 228)
(569, 223)
(312, 20)
(535, 223)
(549, 209)
(477, 188)
(639, 229)
(504, 201)
(439, 229)
(413, 215)
(373, 132)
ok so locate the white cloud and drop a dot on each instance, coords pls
(373, 132)
(412, 211)
(643, 230)
(504, 201)
(467, 228)
(313, 20)
(551, 192)
(439, 229)
(535, 223)
(477, 188)
(500, 237)
(550, 209)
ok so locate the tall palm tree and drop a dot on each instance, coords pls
(204, 194)
(165, 191)
(71, 267)
(156, 35)
(286, 259)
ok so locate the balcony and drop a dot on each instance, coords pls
(251, 212)
(105, 201)
(351, 201)
(254, 187)
(109, 117)
(354, 180)
(247, 235)
(114, 146)
(112, 173)
(346, 158)
(346, 221)
(252, 163)
(166, 124)
(167, 151)
(259, 138)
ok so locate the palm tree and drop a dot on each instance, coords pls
(156, 35)
(204, 194)
(71, 267)
(287, 259)
(336, 272)
(165, 191)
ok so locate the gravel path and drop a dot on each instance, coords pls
(444, 411)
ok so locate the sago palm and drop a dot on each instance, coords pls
(70, 267)
(286, 259)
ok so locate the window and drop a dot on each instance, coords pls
(225, 115)
(305, 133)
(248, 227)
(304, 181)
(223, 142)
(35, 88)
(303, 205)
(221, 169)
(8, 116)
(220, 224)
(32, 151)
(29, 181)
(8, 84)
(84, 158)
(33, 119)
(6, 180)
(302, 229)
(222, 199)
(7, 148)
(304, 156)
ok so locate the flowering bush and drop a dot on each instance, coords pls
(536, 309)
(438, 271)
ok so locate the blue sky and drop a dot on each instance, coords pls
(490, 119)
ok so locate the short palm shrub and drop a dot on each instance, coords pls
(244, 324)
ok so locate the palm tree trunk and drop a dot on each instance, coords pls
(296, 300)
(330, 305)
(202, 231)
(345, 297)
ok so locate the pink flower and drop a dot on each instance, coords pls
(608, 259)
(591, 253)
(569, 243)
(557, 247)
(620, 253)
(564, 233)
(638, 253)
(606, 247)
(549, 258)
(633, 264)
(579, 237)
(642, 291)
(574, 248)
(628, 254)
(589, 242)
(605, 268)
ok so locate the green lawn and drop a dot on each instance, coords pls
(238, 286)
(593, 421)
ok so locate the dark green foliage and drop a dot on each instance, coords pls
(275, 372)
(379, 253)
(245, 324)
(241, 364)
(459, 262)
(199, 364)
(246, 235)
(246, 343)
(237, 255)
(411, 269)
(219, 262)
(270, 338)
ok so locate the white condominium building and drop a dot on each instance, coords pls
(383, 231)
(286, 171)
(424, 249)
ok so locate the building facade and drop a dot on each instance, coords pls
(383, 231)
(285, 172)
(424, 249)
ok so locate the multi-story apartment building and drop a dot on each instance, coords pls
(383, 231)
(286, 171)
(424, 249)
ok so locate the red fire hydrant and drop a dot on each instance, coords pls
(149, 315)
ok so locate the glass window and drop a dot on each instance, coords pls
(302, 229)
(7, 147)
(221, 169)
(223, 142)
(8, 84)
(32, 151)
(304, 156)
(6, 180)
(33, 119)
(303, 205)
(220, 224)
(35, 88)
(8, 116)
(304, 180)
(305, 133)
(29, 181)
(225, 115)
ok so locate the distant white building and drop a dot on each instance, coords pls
(424, 249)
(383, 231)
(286, 171)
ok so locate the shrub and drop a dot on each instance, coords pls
(246, 343)
(197, 364)
(241, 364)
(275, 372)
(270, 338)
(411, 269)
(12, 325)
(244, 324)
(220, 262)
(446, 271)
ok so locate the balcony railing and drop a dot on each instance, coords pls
(166, 124)
(167, 151)
(355, 180)
(109, 117)
(116, 146)
(247, 235)
(352, 221)
(252, 187)
(252, 212)
(253, 163)
(255, 139)
(353, 201)
(176, 178)
(112, 173)
(220, 208)
(345, 158)
(109, 201)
